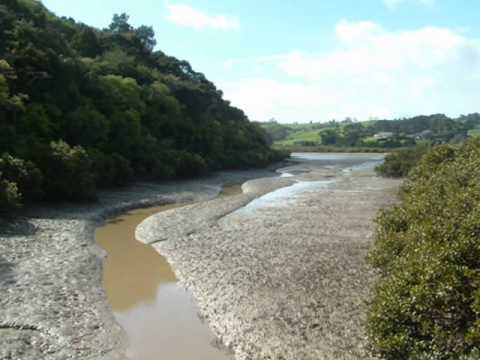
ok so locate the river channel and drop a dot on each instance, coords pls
(160, 318)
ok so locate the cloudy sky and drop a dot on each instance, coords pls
(303, 60)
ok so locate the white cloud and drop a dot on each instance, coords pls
(393, 4)
(371, 72)
(185, 15)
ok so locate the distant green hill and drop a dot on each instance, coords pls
(382, 134)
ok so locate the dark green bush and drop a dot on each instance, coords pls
(24, 174)
(163, 170)
(427, 302)
(111, 170)
(122, 170)
(10, 198)
(188, 165)
(399, 163)
(279, 155)
(68, 173)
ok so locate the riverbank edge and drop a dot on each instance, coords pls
(53, 271)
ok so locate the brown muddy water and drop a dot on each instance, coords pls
(160, 318)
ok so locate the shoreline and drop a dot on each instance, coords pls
(54, 305)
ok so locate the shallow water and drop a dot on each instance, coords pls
(337, 160)
(159, 317)
(350, 162)
(362, 157)
(283, 196)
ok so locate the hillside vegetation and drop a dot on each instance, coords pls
(380, 134)
(427, 302)
(82, 107)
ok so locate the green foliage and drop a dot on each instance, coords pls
(24, 174)
(68, 173)
(120, 24)
(146, 36)
(329, 137)
(4, 91)
(190, 164)
(87, 43)
(111, 170)
(10, 198)
(88, 127)
(7, 100)
(426, 304)
(399, 163)
(109, 94)
(275, 131)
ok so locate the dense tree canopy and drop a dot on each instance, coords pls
(75, 99)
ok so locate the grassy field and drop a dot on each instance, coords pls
(474, 133)
(302, 136)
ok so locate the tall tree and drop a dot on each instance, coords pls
(120, 24)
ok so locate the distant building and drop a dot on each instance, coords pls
(383, 135)
(424, 135)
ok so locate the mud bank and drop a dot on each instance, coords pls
(53, 305)
(282, 279)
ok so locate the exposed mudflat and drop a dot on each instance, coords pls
(278, 272)
(282, 276)
(52, 303)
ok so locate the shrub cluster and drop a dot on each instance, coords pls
(20, 181)
(63, 173)
(426, 304)
(399, 163)
(24, 174)
(68, 173)
(10, 198)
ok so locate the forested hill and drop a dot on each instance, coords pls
(82, 107)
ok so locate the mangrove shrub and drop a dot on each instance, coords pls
(426, 304)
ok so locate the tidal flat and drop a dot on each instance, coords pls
(276, 273)
(280, 271)
(53, 303)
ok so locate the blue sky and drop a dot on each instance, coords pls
(317, 59)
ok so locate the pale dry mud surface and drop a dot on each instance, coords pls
(284, 275)
(52, 302)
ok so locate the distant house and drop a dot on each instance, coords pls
(424, 135)
(383, 135)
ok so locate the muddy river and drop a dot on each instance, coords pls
(159, 317)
